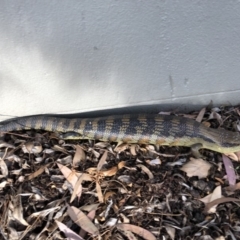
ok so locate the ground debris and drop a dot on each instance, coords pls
(55, 189)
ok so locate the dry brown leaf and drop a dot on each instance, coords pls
(215, 115)
(71, 235)
(37, 148)
(27, 147)
(121, 147)
(72, 178)
(233, 156)
(121, 164)
(216, 194)
(92, 170)
(83, 177)
(124, 219)
(215, 202)
(201, 115)
(94, 152)
(99, 192)
(219, 238)
(18, 210)
(146, 170)
(17, 171)
(196, 167)
(231, 175)
(110, 172)
(219, 180)
(41, 214)
(108, 195)
(102, 161)
(82, 220)
(125, 179)
(154, 162)
(78, 156)
(31, 147)
(3, 185)
(91, 216)
(48, 151)
(38, 172)
(4, 168)
(171, 232)
(230, 189)
(145, 234)
(59, 149)
(13, 234)
(102, 145)
(129, 235)
(66, 160)
(91, 207)
(14, 158)
(133, 149)
(238, 155)
(151, 149)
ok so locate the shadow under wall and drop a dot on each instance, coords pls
(149, 109)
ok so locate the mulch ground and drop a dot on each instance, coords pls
(55, 189)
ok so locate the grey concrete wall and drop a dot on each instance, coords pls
(78, 56)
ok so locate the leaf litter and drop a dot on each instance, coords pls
(55, 189)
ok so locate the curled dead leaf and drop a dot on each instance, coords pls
(146, 170)
(238, 155)
(133, 149)
(233, 156)
(215, 202)
(108, 195)
(121, 164)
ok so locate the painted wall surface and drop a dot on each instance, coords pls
(78, 56)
